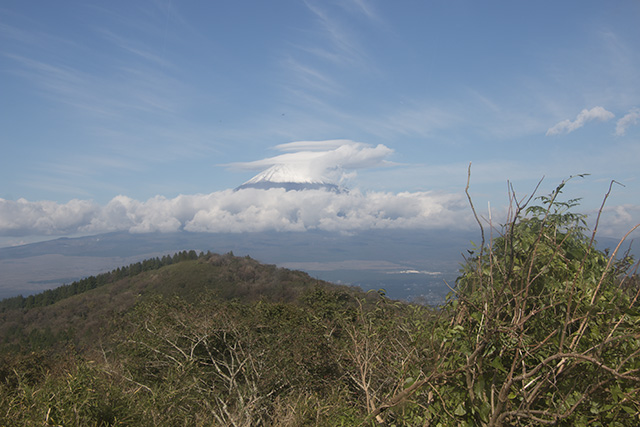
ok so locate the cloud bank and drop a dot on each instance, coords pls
(244, 210)
(568, 126)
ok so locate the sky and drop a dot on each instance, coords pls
(145, 115)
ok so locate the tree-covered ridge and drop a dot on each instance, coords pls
(540, 329)
(52, 296)
(82, 318)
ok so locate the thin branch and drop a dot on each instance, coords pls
(475, 215)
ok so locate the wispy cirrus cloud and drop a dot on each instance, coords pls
(121, 107)
(585, 116)
(325, 54)
(339, 42)
(311, 78)
(125, 93)
(364, 7)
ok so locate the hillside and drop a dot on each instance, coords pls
(81, 311)
(224, 324)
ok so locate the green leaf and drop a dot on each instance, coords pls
(629, 410)
(460, 411)
(497, 363)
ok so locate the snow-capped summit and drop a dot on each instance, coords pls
(285, 173)
(288, 177)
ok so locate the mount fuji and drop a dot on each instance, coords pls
(290, 178)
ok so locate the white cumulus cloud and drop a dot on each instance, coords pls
(244, 210)
(630, 119)
(22, 217)
(619, 220)
(567, 126)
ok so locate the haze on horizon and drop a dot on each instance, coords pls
(144, 116)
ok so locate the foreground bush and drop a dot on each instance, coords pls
(543, 329)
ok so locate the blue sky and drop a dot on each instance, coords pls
(111, 112)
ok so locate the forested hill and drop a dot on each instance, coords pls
(78, 312)
(52, 296)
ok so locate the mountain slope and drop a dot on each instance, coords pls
(80, 319)
(290, 178)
